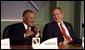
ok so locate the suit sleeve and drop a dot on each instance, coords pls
(47, 32)
(15, 38)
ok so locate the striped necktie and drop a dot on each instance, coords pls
(64, 33)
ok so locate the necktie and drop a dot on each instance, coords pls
(64, 33)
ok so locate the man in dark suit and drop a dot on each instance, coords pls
(22, 33)
(60, 29)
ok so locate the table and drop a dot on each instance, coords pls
(75, 46)
(25, 46)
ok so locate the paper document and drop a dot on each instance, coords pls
(5, 43)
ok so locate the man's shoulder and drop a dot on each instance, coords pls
(67, 23)
(49, 24)
(13, 25)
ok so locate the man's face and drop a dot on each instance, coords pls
(29, 19)
(57, 15)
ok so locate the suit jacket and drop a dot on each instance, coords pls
(52, 30)
(16, 34)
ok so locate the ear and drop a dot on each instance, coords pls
(62, 15)
(23, 18)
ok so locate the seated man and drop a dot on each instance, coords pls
(60, 29)
(22, 33)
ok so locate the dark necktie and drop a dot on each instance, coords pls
(64, 33)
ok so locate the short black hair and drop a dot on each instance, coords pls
(26, 11)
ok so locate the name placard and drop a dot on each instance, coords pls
(48, 44)
(35, 42)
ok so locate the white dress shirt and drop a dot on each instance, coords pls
(25, 26)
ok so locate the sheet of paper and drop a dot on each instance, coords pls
(83, 42)
(5, 43)
(48, 44)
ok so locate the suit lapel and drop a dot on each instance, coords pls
(56, 30)
(68, 28)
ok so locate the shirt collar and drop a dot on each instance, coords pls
(25, 25)
(61, 22)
